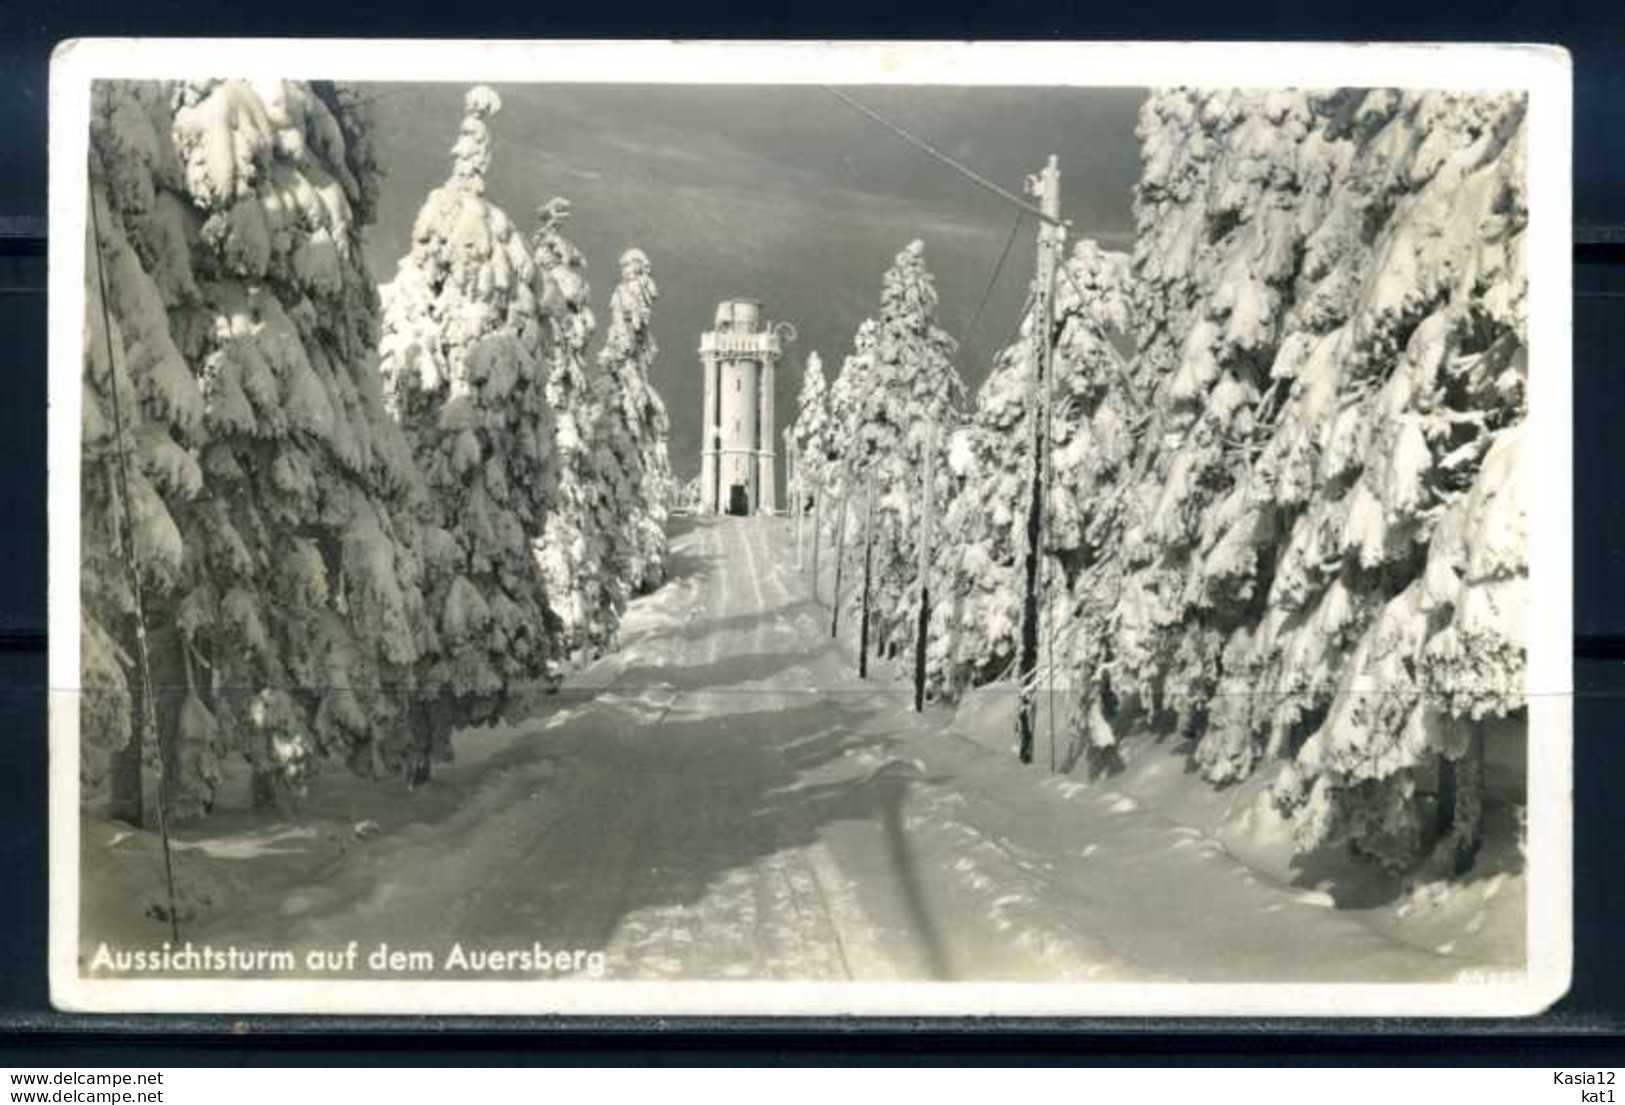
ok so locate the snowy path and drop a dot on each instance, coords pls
(652, 812)
(722, 798)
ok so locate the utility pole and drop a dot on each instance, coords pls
(927, 505)
(145, 732)
(818, 533)
(1045, 186)
(868, 567)
(794, 486)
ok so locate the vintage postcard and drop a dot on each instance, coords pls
(810, 528)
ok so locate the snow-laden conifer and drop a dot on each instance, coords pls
(163, 476)
(978, 558)
(899, 382)
(634, 427)
(465, 357)
(1329, 298)
(842, 467)
(270, 486)
(811, 431)
(577, 551)
(846, 396)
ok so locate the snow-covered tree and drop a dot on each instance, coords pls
(577, 550)
(845, 399)
(1430, 369)
(977, 620)
(843, 458)
(899, 382)
(688, 494)
(270, 488)
(1323, 508)
(634, 428)
(161, 473)
(465, 356)
(811, 430)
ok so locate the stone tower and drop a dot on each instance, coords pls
(738, 356)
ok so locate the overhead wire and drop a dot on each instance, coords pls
(953, 163)
(993, 280)
(1023, 208)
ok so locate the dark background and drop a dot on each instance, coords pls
(1586, 1028)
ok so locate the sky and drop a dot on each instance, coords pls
(778, 193)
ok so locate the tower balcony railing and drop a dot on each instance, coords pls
(763, 343)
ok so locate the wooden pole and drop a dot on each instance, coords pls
(927, 505)
(840, 564)
(127, 785)
(818, 536)
(801, 514)
(1046, 186)
(868, 567)
(144, 724)
(793, 485)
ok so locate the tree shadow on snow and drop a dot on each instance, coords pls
(720, 675)
(1359, 884)
(705, 628)
(678, 525)
(654, 824)
(880, 796)
(684, 564)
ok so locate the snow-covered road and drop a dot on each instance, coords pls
(722, 798)
(670, 807)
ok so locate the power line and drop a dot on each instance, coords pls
(957, 166)
(1015, 327)
(1117, 360)
(1023, 207)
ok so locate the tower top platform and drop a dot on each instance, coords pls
(755, 344)
(735, 315)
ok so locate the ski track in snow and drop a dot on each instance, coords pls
(723, 799)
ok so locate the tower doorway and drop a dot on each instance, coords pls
(738, 499)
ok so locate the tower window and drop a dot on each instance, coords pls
(738, 381)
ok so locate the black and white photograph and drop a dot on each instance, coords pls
(823, 528)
